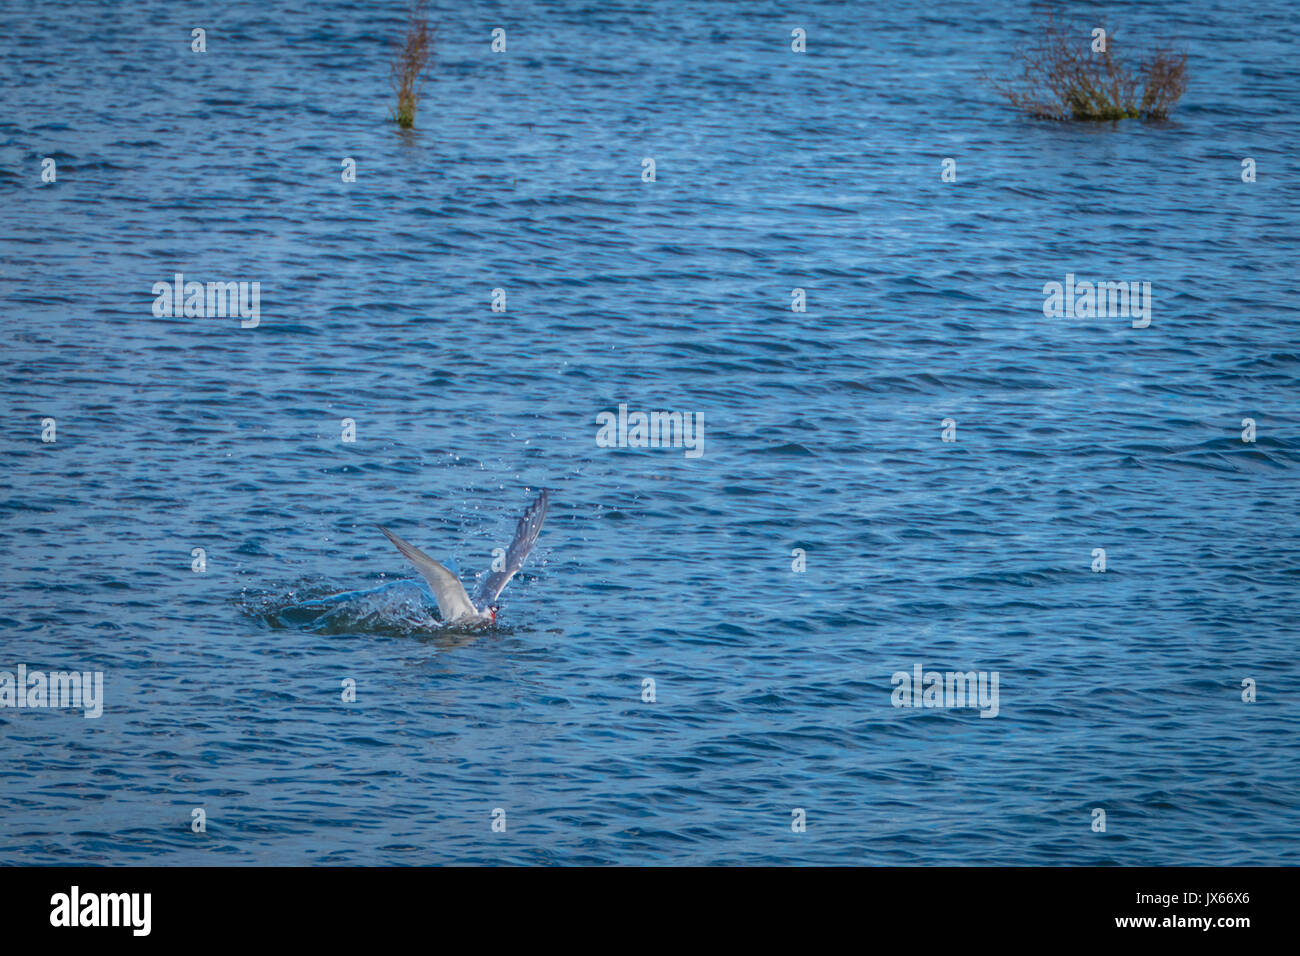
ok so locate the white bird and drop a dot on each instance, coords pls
(453, 603)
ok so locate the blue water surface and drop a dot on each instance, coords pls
(774, 170)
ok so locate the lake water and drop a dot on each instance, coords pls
(822, 431)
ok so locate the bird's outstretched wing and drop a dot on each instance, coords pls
(450, 594)
(526, 532)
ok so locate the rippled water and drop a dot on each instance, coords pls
(1118, 690)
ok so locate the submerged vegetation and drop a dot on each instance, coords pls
(1068, 75)
(410, 61)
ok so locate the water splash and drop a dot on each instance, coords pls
(398, 607)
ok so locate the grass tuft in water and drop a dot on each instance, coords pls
(1064, 75)
(410, 62)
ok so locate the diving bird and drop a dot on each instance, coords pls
(453, 603)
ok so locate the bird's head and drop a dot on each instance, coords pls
(492, 609)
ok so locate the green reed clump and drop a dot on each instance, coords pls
(409, 64)
(1062, 77)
